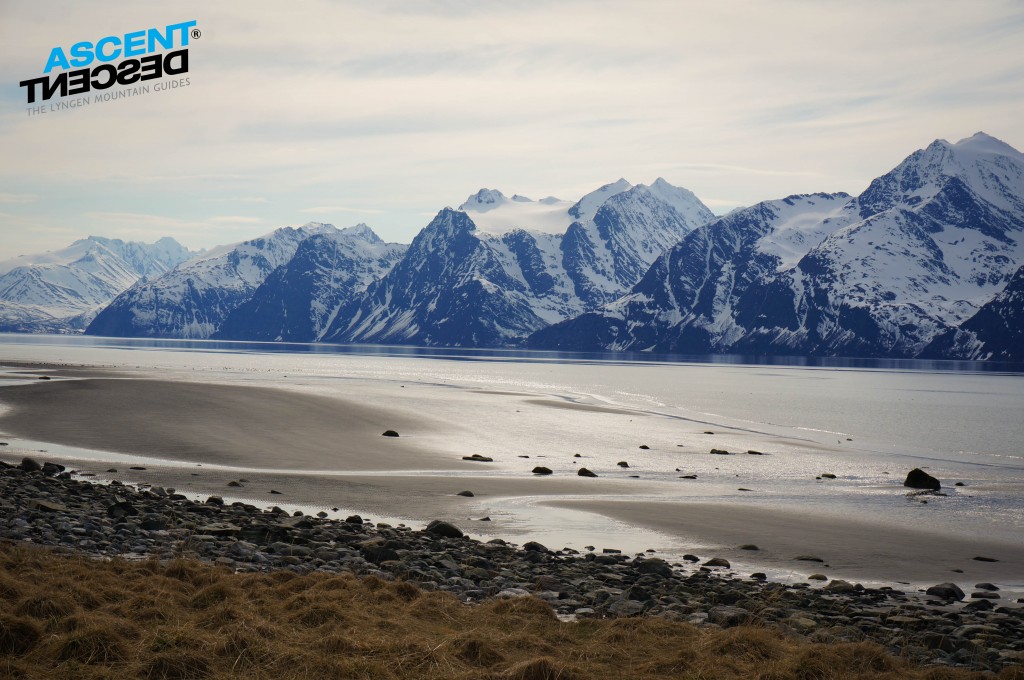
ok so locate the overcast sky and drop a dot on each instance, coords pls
(384, 112)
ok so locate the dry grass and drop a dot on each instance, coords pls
(68, 617)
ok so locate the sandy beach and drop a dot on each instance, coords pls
(273, 442)
(254, 427)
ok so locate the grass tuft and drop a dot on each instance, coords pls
(97, 644)
(17, 634)
(176, 665)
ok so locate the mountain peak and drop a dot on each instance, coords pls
(588, 205)
(362, 231)
(982, 143)
(484, 200)
(318, 227)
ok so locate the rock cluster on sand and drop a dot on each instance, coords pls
(117, 520)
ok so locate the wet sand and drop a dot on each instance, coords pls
(224, 424)
(850, 548)
(268, 430)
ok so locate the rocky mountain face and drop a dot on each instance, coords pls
(882, 274)
(301, 298)
(61, 291)
(995, 332)
(497, 269)
(193, 299)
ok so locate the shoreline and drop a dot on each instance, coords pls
(236, 425)
(48, 508)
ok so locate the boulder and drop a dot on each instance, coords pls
(534, 546)
(720, 452)
(388, 433)
(444, 529)
(29, 465)
(727, 617)
(541, 470)
(645, 447)
(52, 469)
(841, 587)
(478, 458)
(717, 562)
(466, 494)
(584, 472)
(749, 546)
(622, 464)
(919, 479)
(45, 505)
(946, 591)
(354, 519)
(654, 565)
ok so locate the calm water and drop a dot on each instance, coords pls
(969, 412)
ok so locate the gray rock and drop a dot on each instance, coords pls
(727, 617)
(919, 479)
(946, 591)
(445, 529)
(718, 562)
(46, 505)
(654, 565)
(30, 465)
(625, 607)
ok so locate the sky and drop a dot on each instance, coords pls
(385, 112)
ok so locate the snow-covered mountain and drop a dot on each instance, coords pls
(882, 274)
(995, 332)
(300, 299)
(499, 268)
(60, 291)
(194, 298)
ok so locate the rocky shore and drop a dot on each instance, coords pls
(43, 504)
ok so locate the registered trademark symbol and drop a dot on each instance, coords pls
(196, 33)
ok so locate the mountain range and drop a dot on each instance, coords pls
(925, 262)
(925, 248)
(61, 291)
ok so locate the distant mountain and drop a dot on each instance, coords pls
(497, 269)
(995, 332)
(882, 274)
(193, 299)
(60, 291)
(300, 299)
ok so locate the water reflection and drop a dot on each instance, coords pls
(509, 355)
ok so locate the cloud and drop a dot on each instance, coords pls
(17, 198)
(235, 219)
(323, 209)
(406, 107)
